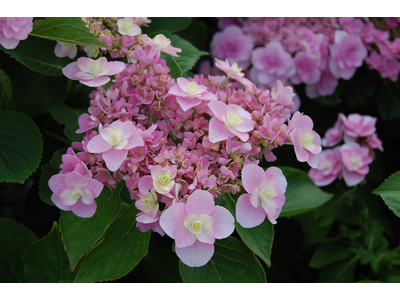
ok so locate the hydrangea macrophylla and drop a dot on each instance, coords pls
(126, 26)
(163, 44)
(266, 195)
(148, 204)
(189, 94)
(355, 163)
(114, 141)
(195, 225)
(76, 192)
(356, 125)
(347, 54)
(65, 49)
(161, 179)
(91, 72)
(13, 30)
(329, 167)
(233, 72)
(227, 120)
(306, 142)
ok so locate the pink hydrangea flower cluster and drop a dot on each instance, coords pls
(180, 144)
(13, 30)
(350, 160)
(314, 51)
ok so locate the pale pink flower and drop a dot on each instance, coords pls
(195, 226)
(329, 167)
(325, 86)
(356, 125)
(91, 72)
(227, 120)
(233, 72)
(13, 30)
(70, 162)
(334, 134)
(355, 163)
(233, 45)
(307, 68)
(271, 63)
(148, 204)
(126, 26)
(189, 94)
(75, 192)
(266, 195)
(306, 142)
(161, 179)
(114, 142)
(65, 49)
(162, 44)
(347, 54)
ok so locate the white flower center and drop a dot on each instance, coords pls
(192, 88)
(162, 41)
(196, 225)
(307, 141)
(127, 26)
(235, 68)
(94, 68)
(233, 119)
(356, 160)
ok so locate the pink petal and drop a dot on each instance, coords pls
(208, 96)
(196, 255)
(224, 223)
(200, 203)
(114, 158)
(247, 215)
(87, 197)
(352, 178)
(57, 184)
(172, 219)
(206, 236)
(126, 129)
(83, 63)
(84, 211)
(98, 145)
(217, 130)
(252, 176)
(241, 135)
(218, 108)
(145, 184)
(95, 187)
(70, 70)
(183, 237)
(246, 125)
(182, 83)
(95, 82)
(135, 140)
(187, 103)
(56, 200)
(177, 91)
(113, 67)
(281, 182)
(75, 179)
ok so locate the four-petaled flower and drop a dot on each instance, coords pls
(127, 27)
(233, 72)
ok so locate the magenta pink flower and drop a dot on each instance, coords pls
(329, 167)
(347, 54)
(355, 163)
(325, 86)
(266, 196)
(75, 192)
(189, 94)
(233, 45)
(229, 119)
(91, 72)
(233, 72)
(72, 163)
(13, 30)
(356, 125)
(307, 68)
(306, 142)
(271, 63)
(114, 142)
(65, 49)
(195, 226)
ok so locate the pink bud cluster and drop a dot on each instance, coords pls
(350, 160)
(13, 30)
(314, 51)
(180, 144)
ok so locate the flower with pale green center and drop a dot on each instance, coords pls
(148, 204)
(356, 162)
(233, 72)
(197, 224)
(65, 49)
(127, 26)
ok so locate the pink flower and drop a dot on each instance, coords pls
(325, 86)
(306, 142)
(148, 204)
(161, 179)
(307, 68)
(233, 72)
(13, 30)
(271, 63)
(75, 192)
(334, 135)
(347, 54)
(91, 72)
(329, 167)
(114, 142)
(233, 45)
(163, 44)
(266, 195)
(195, 226)
(355, 163)
(126, 26)
(72, 163)
(65, 49)
(356, 125)
(229, 119)
(189, 94)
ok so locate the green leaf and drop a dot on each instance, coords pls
(189, 55)
(47, 261)
(5, 92)
(20, 146)
(166, 24)
(340, 272)
(389, 190)
(259, 239)
(81, 234)
(68, 117)
(38, 55)
(388, 101)
(14, 239)
(120, 251)
(68, 30)
(36, 92)
(302, 195)
(374, 234)
(175, 69)
(196, 34)
(232, 262)
(328, 254)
